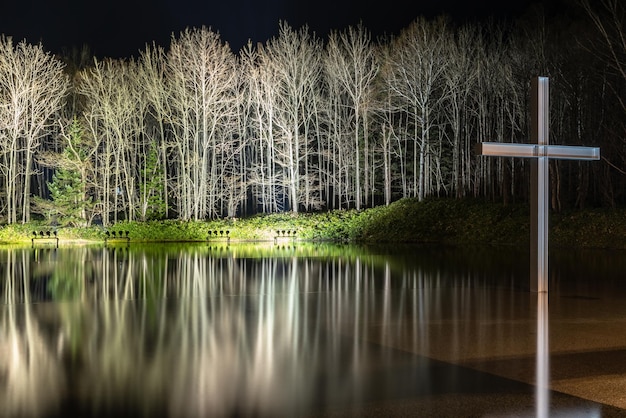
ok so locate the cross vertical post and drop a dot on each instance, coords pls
(539, 185)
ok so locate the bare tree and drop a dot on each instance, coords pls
(259, 107)
(202, 77)
(292, 70)
(32, 88)
(197, 132)
(152, 78)
(351, 61)
(337, 153)
(460, 76)
(113, 117)
(609, 18)
(418, 68)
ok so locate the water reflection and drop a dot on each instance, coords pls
(277, 331)
(543, 358)
(29, 365)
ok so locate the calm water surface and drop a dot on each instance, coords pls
(304, 330)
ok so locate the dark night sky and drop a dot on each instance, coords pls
(118, 28)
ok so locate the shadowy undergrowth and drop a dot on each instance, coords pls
(452, 221)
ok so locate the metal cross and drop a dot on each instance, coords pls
(540, 152)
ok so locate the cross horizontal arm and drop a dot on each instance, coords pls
(561, 152)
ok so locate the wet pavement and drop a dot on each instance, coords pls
(488, 365)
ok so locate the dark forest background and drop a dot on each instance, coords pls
(196, 131)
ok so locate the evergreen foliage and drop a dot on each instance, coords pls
(153, 205)
(68, 198)
(67, 194)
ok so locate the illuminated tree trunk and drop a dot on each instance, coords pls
(351, 60)
(292, 65)
(32, 89)
(113, 113)
(152, 78)
(459, 77)
(203, 77)
(418, 68)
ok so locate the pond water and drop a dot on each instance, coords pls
(267, 330)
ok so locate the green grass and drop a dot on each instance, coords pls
(450, 221)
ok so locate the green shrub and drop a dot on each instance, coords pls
(459, 221)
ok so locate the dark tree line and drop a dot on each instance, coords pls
(196, 131)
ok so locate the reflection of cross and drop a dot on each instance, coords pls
(539, 152)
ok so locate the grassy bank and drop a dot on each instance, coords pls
(430, 221)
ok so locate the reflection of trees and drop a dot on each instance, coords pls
(31, 379)
(199, 335)
(228, 335)
(110, 355)
(234, 351)
(196, 332)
